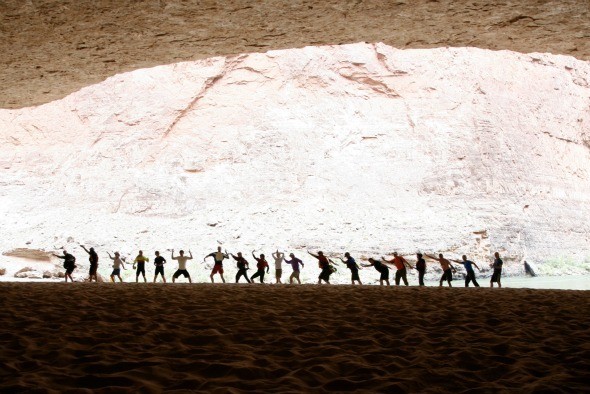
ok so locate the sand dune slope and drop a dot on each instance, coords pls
(150, 338)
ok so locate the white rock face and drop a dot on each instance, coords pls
(359, 147)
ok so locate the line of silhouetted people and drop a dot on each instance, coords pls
(326, 265)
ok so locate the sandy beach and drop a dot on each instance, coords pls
(58, 337)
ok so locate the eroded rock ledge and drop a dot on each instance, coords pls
(51, 48)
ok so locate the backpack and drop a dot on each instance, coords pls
(70, 261)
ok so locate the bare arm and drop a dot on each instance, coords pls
(173, 254)
(86, 250)
(60, 257)
(190, 255)
(316, 256)
(406, 263)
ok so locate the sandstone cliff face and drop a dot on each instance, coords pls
(358, 147)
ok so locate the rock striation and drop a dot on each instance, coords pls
(358, 147)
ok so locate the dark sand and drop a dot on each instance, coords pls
(103, 337)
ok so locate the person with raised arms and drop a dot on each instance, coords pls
(400, 265)
(446, 266)
(242, 267)
(497, 266)
(139, 266)
(421, 268)
(470, 274)
(279, 258)
(260, 265)
(324, 265)
(218, 267)
(353, 267)
(117, 264)
(159, 262)
(182, 259)
(93, 259)
(69, 264)
(294, 263)
(381, 268)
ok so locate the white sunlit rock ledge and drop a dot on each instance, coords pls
(357, 147)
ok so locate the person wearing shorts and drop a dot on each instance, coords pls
(353, 267)
(182, 259)
(447, 268)
(93, 259)
(139, 266)
(218, 267)
(279, 258)
(69, 264)
(381, 268)
(294, 263)
(497, 266)
(159, 262)
(324, 265)
(117, 264)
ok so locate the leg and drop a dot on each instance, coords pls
(222, 278)
(405, 278)
(120, 279)
(189, 280)
(262, 277)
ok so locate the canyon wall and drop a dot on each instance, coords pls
(358, 147)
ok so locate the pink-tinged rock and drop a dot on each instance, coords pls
(358, 147)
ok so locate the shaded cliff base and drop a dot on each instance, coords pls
(292, 339)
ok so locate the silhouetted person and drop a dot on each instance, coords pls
(294, 263)
(117, 264)
(421, 268)
(400, 265)
(218, 267)
(243, 266)
(93, 259)
(159, 262)
(139, 266)
(353, 267)
(260, 265)
(69, 264)
(182, 259)
(279, 258)
(497, 266)
(470, 273)
(324, 265)
(381, 268)
(447, 268)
